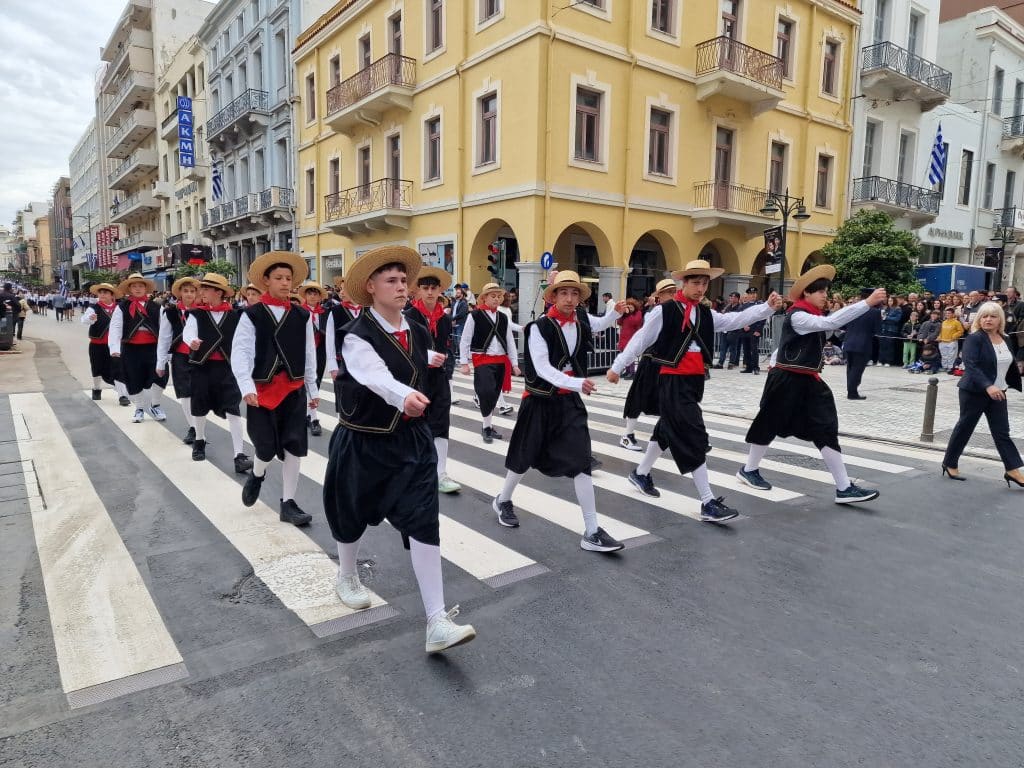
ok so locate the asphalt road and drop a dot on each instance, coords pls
(803, 634)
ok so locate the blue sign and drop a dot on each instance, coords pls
(186, 161)
(184, 102)
(185, 132)
(546, 260)
(186, 135)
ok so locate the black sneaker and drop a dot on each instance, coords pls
(290, 513)
(123, 400)
(715, 511)
(753, 479)
(853, 495)
(506, 513)
(199, 450)
(600, 541)
(491, 434)
(96, 394)
(644, 484)
(242, 464)
(595, 463)
(251, 489)
(190, 436)
(315, 429)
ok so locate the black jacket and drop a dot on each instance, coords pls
(980, 366)
(861, 331)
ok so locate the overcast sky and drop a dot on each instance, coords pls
(49, 53)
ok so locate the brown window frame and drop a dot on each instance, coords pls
(658, 151)
(488, 129)
(432, 139)
(588, 119)
(823, 181)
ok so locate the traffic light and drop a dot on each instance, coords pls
(494, 264)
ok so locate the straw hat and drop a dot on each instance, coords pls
(311, 285)
(338, 283)
(370, 262)
(698, 267)
(251, 287)
(443, 276)
(826, 271)
(566, 278)
(135, 277)
(489, 288)
(668, 284)
(214, 280)
(95, 289)
(182, 282)
(300, 270)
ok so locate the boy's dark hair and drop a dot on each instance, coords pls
(429, 280)
(821, 284)
(272, 267)
(390, 265)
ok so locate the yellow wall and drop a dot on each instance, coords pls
(537, 54)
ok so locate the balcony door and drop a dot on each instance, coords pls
(724, 139)
(395, 170)
(731, 32)
(364, 173)
(395, 36)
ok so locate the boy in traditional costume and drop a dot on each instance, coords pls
(133, 336)
(382, 461)
(171, 349)
(102, 367)
(313, 296)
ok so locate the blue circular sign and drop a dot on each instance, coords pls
(546, 260)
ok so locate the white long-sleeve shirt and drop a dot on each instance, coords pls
(369, 369)
(330, 345)
(649, 331)
(542, 363)
(243, 355)
(163, 341)
(804, 322)
(115, 332)
(494, 348)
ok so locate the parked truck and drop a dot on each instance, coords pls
(963, 278)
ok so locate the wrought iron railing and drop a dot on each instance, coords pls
(181, 237)
(242, 205)
(1013, 127)
(392, 69)
(250, 101)
(130, 240)
(723, 196)
(724, 53)
(277, 197)
(214, 215)
(227, 210)
(132, 159)
(877, 189)
(126, 84)
(890, 56)
(1005, 217)
(379, 195)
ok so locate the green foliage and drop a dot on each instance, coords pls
(869, 252)
(112, 276)
(220, 266)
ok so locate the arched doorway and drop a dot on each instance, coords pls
(764, 283)
(646, 267)
(710, 254)
(814, 258)
(495, 238)
(583, 247)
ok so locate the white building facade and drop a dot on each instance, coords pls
(8, 260)
(249, 131)
(86, 199)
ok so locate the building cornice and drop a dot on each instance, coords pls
(326, 23)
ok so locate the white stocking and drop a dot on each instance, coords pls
(489, 420)
(312, 413)
(754, 455)
(120, 388)
(155, 395)
(347, 557)
(259, 466)
(200, 427)
(585, 496)
(426, 563)
(97, 382)
(834, 462)
(651, 455)
(700, 479)
(511, 481)
(631, 426)
(441, 446)
(289, 476)
(186, 406)
(235, 425)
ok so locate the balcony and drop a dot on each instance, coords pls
(1007, 218)
(140, 204)
(137, 165)
(1012, 140)
(163, 190)
(131, 133)
(727, 67)
(136, 15)
(362, 99)
(890, 72)
(240, 118)
(896, 198)
(719, 202)
(134, 54)
(196, 172)
(135, 91)
(248, 212)
(169, 128)
(379, 205)
(145, 240)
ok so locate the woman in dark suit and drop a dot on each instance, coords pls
(989, 370)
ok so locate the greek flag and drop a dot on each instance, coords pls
(937, 167)
(64, 291)
(218, 181)
(78, 242)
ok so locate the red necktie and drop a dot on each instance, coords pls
(403, 339)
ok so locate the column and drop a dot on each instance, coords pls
(609, 280)
(737, 283)
(532, 280)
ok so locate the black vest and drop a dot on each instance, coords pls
(173, 315)
(279, 345)
(99, 329)
(584, 317)
(359, 408)
(672, 343)
(799, 352)
(442, 341)
(340, 315)
(484, 330)
(215, 337)
(559, 353)
(148, 320)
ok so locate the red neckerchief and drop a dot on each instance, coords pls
(563, 320)
(806, 306)
(350, 306)
(222, 307)
(432, 317)
(687, 306)
(403, 338)
(266, 298)
(108, 308)
(137, 305)
(316, 309)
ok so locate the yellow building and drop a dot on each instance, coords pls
(619, 136)
(40, 252)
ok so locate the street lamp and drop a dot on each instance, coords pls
(1004, 234)
(789, 206)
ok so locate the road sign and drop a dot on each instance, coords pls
(546, 260)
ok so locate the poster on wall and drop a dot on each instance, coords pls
(441, 254)
(773, 251)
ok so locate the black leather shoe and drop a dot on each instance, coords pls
(856, 397)
(122, 400)
(242, 464)
(290, 513)
(199, 450)
(315, 429)
(251, 489)
(190, 436)
(717, 366)
(96, 394)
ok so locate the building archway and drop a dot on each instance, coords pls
(652, 258)
(583, 247)
(499, 233)
(814, 258)
(719, 253)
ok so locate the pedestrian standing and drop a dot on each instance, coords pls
(382, 463)
(949, 337)
(796, 401)
(173, 352)
(134, 329)
(858, 344)
(22, 314)
(273, 358)
(729, 343)
(750, 336)
(313, 296)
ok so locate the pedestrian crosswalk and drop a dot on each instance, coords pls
(111, 635)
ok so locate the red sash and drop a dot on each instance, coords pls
(506, 384)
(272, 393)
(690, 364)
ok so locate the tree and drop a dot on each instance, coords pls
(93, 276)
(869, 252)
(220, 266)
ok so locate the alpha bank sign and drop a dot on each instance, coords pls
(940, 233)
(186, 133)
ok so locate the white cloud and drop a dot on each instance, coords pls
(49, 54)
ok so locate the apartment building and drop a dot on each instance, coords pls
(60, 231)
(87, 212)
(40, 251)
(8, 255)
(140, 45)
(26, 238)
(248, 132)
(612, 134)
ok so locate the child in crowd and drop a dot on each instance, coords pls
(931, 360)
(910, 329)
(831, 354)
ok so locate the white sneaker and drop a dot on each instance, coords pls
(443, 633)
(446, 485)
(158, 413)
(139, 416)
(505, 410)
(629, 443)
(352, 592)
